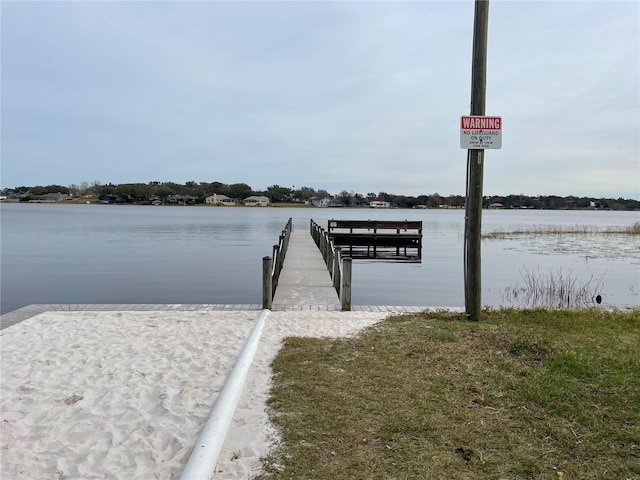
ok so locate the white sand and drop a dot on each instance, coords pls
(111, 395)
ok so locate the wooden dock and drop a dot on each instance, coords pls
(304, 280)
(399, 241)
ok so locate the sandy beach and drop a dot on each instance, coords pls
(110, 395)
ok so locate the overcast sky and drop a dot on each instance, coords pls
(356, 96)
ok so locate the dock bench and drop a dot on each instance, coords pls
(378, 239)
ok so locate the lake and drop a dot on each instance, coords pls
(52, 253)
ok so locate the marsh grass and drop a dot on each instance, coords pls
(555, 289)
(525, 394)
(551, 230)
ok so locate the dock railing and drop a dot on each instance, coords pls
(339, 267)
(272, 266)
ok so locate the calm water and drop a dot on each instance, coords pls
(130, 254)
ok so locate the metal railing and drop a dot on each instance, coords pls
(272, 266)
(339, 267)
(206, 451)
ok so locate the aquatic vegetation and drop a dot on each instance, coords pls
(541, 230)
(555, 289)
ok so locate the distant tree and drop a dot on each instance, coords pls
(454, 201)
(38, 190)
(138, 192)
(344, 197)
(240, 190)
(422, 199)
(219, 188)
(175, 187)
(95, 187)
(57, 189)
(536, 203)
(614, 205)
(163, 191)
(402, 201)
(435, 200)
(100, 190)
(305, 193)
(323, 194)
(583, 202)
(629, 204)
(384, 197)
(276, 193)
(410, 202)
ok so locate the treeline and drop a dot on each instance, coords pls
(553, 202)
(143, 192)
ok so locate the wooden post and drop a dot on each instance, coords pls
(346, 284)
(475, 159)
(267, 292)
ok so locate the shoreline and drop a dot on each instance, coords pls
(94, 201)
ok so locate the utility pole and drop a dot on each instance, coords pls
(475, 167)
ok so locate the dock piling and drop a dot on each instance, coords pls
(345, 295)
(267, 284)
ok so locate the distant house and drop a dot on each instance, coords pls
(326, 202)
(105, 199)
(379, 204)
(17, 197)
(51, 197)
(320, 202)
(335, 203)
(256, 201)
(181, 200)
(216, 199)
(496, 205)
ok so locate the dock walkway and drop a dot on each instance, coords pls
(304, 279)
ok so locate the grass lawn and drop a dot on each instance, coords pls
(525, 394)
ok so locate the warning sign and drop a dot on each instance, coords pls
(480, 133)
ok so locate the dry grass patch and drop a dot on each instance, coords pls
(525, 394)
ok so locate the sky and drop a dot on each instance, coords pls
(357, 96)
